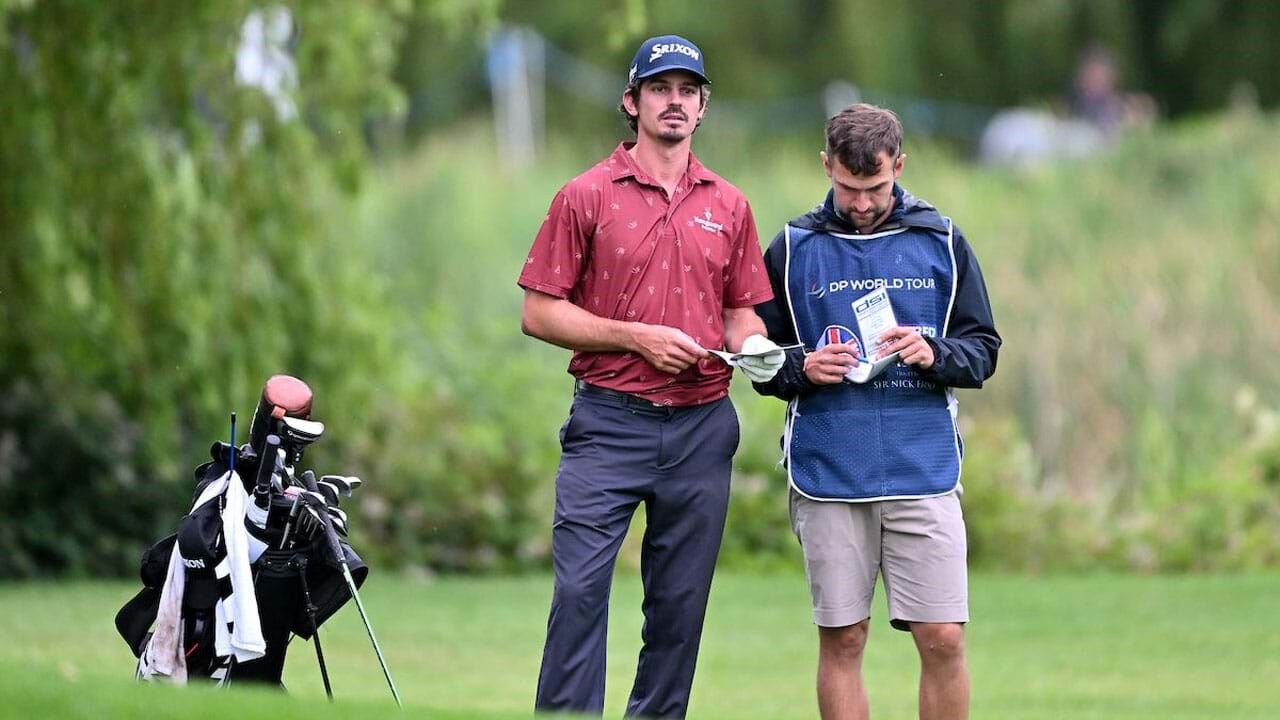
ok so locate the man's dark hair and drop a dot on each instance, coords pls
(859, 133)
(633, 89)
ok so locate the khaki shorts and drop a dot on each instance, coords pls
(918, 544)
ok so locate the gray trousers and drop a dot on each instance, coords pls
(619, 451)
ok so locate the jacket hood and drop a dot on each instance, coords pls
(908, 211)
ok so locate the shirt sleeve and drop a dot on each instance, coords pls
(746, 282)
(560, 249)
(790, 380)
(966, 356)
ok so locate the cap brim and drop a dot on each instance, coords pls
(672, 68)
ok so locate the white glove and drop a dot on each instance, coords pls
(764, 358)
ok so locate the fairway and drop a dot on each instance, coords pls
(1053, 647)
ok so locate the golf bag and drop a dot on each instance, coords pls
(250, 565)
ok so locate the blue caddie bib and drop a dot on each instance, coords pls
(894, 436)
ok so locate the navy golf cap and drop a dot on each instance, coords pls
(663, 53)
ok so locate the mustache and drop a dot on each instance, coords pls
(673, 113)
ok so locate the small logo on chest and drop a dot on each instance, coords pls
(705, 221)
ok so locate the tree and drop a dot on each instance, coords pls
(169, 240)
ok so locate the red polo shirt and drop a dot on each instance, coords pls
(614, 244)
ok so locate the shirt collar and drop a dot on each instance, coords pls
(622, 166)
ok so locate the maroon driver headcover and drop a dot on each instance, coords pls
(282, 396)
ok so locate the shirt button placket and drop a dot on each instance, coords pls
(672, 204)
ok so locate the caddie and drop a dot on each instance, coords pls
(874, 466)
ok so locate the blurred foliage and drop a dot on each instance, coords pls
(171, 238)
(1192, 56)
(168, 244)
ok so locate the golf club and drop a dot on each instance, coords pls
(335, 548)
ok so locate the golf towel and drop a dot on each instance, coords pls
(163, 657)
(238, 630)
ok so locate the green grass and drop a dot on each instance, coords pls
(1040, 647)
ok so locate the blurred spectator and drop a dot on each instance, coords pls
(1096, 96)
(1098, 113)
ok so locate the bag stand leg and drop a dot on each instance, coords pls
(300, 563)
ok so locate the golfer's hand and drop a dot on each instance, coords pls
(829, 364)
(915, 351)
(666, 348)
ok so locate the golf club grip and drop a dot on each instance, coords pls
(330, 535)
(266, 466)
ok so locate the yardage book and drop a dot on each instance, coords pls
(875, 315)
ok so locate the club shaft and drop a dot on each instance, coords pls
(335, 549)
(231, 455)
(351, 584)
(289, 524)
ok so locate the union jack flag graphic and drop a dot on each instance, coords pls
(834, 334)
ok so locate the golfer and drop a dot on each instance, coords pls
(874, 467)
(643, 263)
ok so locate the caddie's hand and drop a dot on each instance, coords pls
(829, 364)
(667, 348)
(761, 368)
(915, 351)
